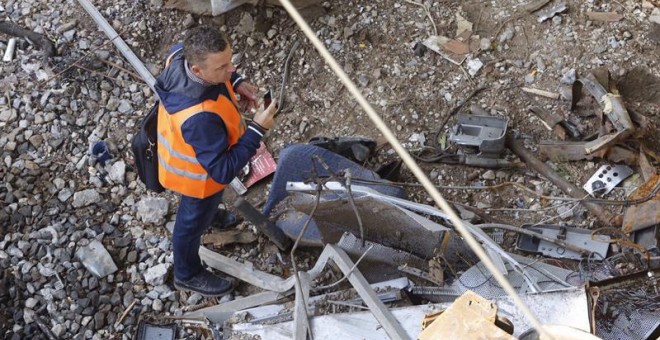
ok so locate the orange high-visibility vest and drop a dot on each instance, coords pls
(179, 169)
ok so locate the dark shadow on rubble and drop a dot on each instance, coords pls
(640, 86)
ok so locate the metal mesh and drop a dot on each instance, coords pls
(480, 280)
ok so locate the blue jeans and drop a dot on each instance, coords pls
(192, 219)
(295, 164)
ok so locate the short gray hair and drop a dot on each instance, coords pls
(202, 40)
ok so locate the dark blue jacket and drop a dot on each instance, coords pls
(206, 131)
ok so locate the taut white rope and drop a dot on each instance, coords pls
(412, 165)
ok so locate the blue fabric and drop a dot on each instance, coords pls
(192, 219)
(295, 164)
(206, 133)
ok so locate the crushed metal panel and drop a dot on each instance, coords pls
(383, 223)
(568, 307)
(360, 325)
(648, 238)
(220, 313)
(582, 238)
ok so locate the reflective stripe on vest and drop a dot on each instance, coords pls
(179, 169)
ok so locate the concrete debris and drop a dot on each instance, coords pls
(156, 275)
(152, 209)
(96, 259)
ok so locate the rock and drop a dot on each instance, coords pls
(157, 305)
(125, 107)
(31, 303)
(117, 171)
(655, 16)
(507, 34)
(246, 25)
(152, 210)
(8, 115)
(474, 65)
(36, 141)
(58, 330)
(64, 194)
(490, 175)
(99, 320)
(189, 21)
(569, 77)
(156, 275)
(194, 299)
(85, 198)
(485, 44)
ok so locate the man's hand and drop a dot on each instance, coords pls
(248, 94)
(266, 118)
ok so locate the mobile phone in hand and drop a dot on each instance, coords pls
(268, 98)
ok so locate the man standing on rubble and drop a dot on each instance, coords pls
(203, 143)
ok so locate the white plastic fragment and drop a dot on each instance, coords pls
(9, 52)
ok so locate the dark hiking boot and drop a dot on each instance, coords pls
(225, 219)
(206, 284)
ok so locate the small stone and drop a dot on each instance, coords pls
(474, 65)
(58, 330)
(85, 198)
(8, 115)
(655, 16)
(156, 275)
(117, 172)
(189, 21)
(31, 303)
(569, 77)
(152, 209)
(64, 194)
(490, 175)
(157, 305)
(194, 299)
(125, 107)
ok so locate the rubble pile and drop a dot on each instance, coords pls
(83, 251)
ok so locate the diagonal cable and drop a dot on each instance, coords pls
(414, 168)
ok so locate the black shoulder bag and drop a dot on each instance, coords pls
(145, 150)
